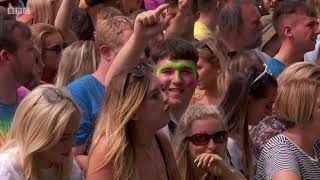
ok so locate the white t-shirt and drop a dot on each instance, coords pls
(10, 170)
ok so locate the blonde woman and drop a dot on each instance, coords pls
(210, 66)
(201, 146)
(125, 143)
(51, 43)
(39, 143)
(294, 154)
(77, 60)
(272, 126)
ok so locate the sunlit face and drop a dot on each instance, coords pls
(178, 79)
(260, 108)
(208, 125)
(154, 110)
(251, 30)
(207, 74)
(62, 150)
(305, 31)
(54, 45)
(27, 63)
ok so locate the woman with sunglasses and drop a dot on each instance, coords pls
(42, 134)
(200, 146)
(51, 43)
(248, 99)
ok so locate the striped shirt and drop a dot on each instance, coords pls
(281, 153)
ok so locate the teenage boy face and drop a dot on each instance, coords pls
(178, 79)
(305, 31)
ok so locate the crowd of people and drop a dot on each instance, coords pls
(159, 89)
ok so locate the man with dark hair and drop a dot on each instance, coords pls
(205, 27)
(19, 64)
(240, 27)
(297, 26)
(182, 14)
(175, 66)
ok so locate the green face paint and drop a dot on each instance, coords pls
(177, 67)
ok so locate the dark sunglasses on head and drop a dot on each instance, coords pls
(57, 48)
(203, 139)
(138, 72)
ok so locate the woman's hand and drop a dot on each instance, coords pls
(212, 163)
(215, 165)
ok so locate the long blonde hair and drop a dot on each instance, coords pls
(180, 143)
(124, 97)
(37, 126)
(77, 60)
(42, 11)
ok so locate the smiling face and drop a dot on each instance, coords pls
(178, 80)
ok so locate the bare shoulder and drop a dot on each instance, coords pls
(170, 158)
(96, 168)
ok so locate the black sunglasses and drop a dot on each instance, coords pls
(57, 48)
(203, 139)
(138, 71)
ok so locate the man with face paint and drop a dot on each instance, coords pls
(175, 66)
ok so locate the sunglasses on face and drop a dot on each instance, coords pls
(203, 139)
(57, 48)
(138, 71)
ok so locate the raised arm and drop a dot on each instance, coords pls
(64, 19)
(175, 29)
(147, 25)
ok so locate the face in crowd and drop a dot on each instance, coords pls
(27, 62)
(251, 28)
(207, 136)
(178, 79)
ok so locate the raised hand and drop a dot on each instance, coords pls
(150, 23)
